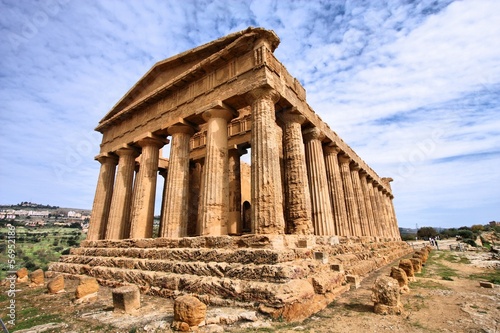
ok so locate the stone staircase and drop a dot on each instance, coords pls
(285, 276)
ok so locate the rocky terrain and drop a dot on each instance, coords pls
(445, 297)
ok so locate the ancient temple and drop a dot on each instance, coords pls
(314, 202)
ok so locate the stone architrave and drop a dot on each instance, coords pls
(336, 190)
(214, 196)
(266, 192)
(119, 214)
(350, 199)
(297, 195)
(322, 215)
(143, 205)
(234, 211)
(175, 210)
(360, 200)
(102, 199)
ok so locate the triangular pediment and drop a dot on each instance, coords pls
(188, 65)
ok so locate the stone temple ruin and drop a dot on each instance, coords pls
(317, 218)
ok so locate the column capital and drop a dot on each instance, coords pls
(343, 158)
(152, 141)
(331, 150)
(127, 151)
(363, 174)
(262, 92)
(223, 113)
(313, 133)
(354, 166)
(180, 128)
(293, 116)
(106, 158)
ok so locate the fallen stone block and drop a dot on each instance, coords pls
(189, 310)
(353, 280)
(126, 298)
(87, 286)
(486, 284)
(56, 285)
(386, 297)
(407, 266)
(37, 278)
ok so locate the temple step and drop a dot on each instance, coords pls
(281, 272)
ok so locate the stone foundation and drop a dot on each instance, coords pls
(282, 275)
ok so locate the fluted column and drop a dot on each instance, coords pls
(390, 220)
(267, 198)
(143, 205)
(195, 173)
(164, 174)
(102, 198)
(119, 214)
(214, 200)
(368, 205)
(297, 195)
(379, 218)
(320, 197)
(234, 214)
(395, 220)
(376, 216)
(360, 200)
(336, 190)
(175, 210)
(350, 200)
(382, 211)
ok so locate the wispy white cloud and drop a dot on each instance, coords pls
(413, 87)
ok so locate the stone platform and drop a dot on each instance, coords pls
(285, 276)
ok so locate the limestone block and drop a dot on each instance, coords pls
(326, 282)
(22, 272)
(190, 310)
(126, 298)
(400, 275)
(417, 264)
(485, 284)
(37, 278)
(86, 287)
(56, 285)
(407, 266)
(386, 297)
(354, 280)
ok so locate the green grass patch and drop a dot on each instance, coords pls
(493, 277)
(427, 284)
(30, 317)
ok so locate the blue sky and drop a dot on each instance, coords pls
(412, 86)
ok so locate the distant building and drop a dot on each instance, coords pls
(41, 213)
(74, 214)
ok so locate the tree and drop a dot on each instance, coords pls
(426, 232)
(476, 228)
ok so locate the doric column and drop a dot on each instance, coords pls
(350, 200)
(164, 174)
(390, 220)
(368, 204)
(320, 197)
(379, 218)
(143, 205)
(373, 202)
(119, 214)
(395, 220)
(102, 198)
(214, 199)
(336, 190)
(175, 210)
(360, 200)
(297, 196)
(381, 208)
(267, 199)
(195, 173)
(234, 212)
